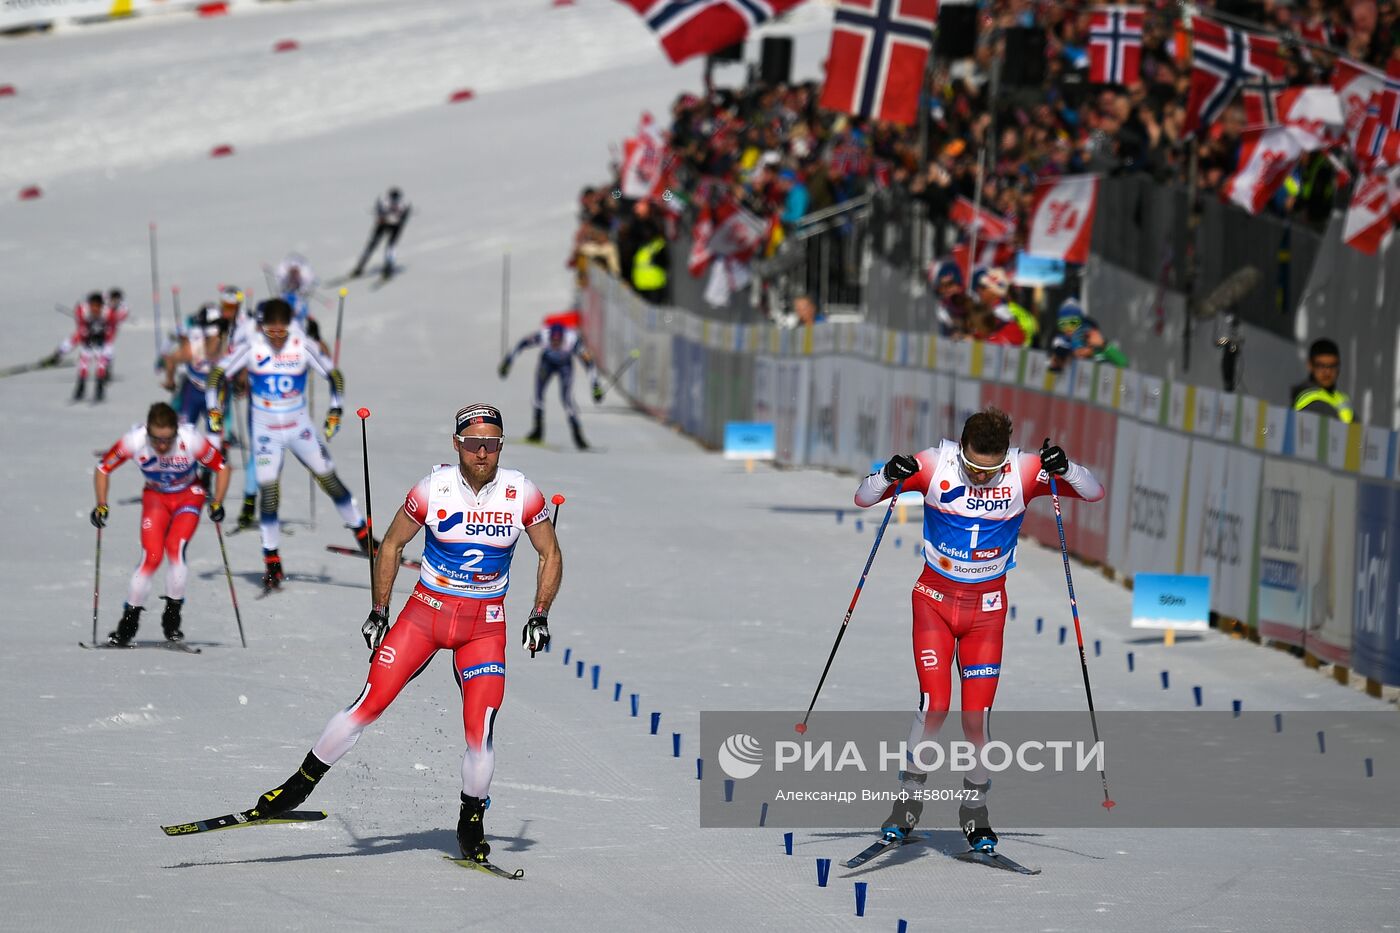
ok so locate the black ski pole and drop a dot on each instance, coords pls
(96, 583)
(155, 291)
(228, 574)
(1078, 634)
(369, 511)
(339, 319)
(631, 358)
(841, 632)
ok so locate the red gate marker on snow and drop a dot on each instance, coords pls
(7, 90)
(220, 151)
(207, 10)
(363, 412)
(464, 94)
(563, 2)
(31, 193)
(286, 45)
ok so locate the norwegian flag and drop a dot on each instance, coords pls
(1115, 45)
(1368, 217)
(1062, 217)
(1377, 143)
(1355, 84)
(645, 161)
(688, 28)
(1222, 60)
(990, 227)
(879, 48)
(1267, 156)
(1262, 96)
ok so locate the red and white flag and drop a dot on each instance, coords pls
(1062, 217)
(879, 48)
(1267, 156)
(1316, 109)
(1115, 45)
(1377, 143)
(1368, 218)
(688, 28)
(990, 226)
(1222, 61)
(645, 161)
(728, 231)
(1354, 84)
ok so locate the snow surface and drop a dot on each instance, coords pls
(681, 580)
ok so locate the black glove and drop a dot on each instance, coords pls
(597, 394)
(49, 361)
(504, 368)
(535, 634)
(375, 627)
(216, 512)
(1053, 460)
(99, 517)
(900, 467)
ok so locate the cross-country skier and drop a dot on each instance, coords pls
(193, 358)
(975, 495)
(296, 282)
(474, 512)
(169, 454)
(278, 360)
(390, 215)
(94, 336)
(559, 341)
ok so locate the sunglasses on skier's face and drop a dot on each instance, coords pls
(161, 440)
(472, 444)
(981, 472)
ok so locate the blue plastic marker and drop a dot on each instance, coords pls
(763, 814)
(1196, 691)
(1166, 680)
(860, 898)
(655, 722)
(578, 669)
(1063, 632)
(823, 871)
(1235, 705)
(596, 670)
(728, 790)
(567, 652)
(1278, 722)
(1130, 662)
(840, 515)
(1321, 743)
(1039, 624)
(1369, 773)
(860, 525)
(699, 769)
(634, 706)
(1098, 647)
(787, 838)
(1013, 613)
(617, 692)
(898, 542)
(675, 745)
(903, 927)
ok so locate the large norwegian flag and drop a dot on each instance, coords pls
(1368, 218)
(1355, 84)
(1062, 217)
(989, 226)
(688, 28)
(1267, 156)
(1115, 45)
(878, 52)
(1223, 60)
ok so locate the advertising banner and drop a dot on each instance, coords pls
(1220, 519)
(824, 410)
(1171, 601)
(1155, 508)
(912, 403)
(1375, 638)
(862, 429)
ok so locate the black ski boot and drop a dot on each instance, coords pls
(291, 792)
(81, 390)
(974, 821)
(362, 538)
(126, 628)
(170, 619)
(536, 435)
(579, 442)
(100, 390)
(905, 814)
(471, 830)
(272, 570)
(247, 518)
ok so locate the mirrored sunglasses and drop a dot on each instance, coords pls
(473, 444)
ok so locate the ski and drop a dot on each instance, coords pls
(171, 645)
(356, 552)
(235, 820)
(995, 860)
(487, 867)
(878, 847)
(20, 369)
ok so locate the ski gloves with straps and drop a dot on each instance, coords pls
(535, 634)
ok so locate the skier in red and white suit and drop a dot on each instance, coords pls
(474, 513)
(169, 455)
(94, 335)
(975, 495)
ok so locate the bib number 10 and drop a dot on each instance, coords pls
(279, 385)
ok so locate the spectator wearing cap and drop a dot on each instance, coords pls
(992, 286)
(1319, 394)
(1077, 336)
(953, 304)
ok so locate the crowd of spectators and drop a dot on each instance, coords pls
(772, 151)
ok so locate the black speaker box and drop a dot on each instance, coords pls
(957, 31)
(1024, 65)
(729, 54)
(776, 64)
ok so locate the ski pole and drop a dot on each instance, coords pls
(1078, 634)
(228, 574)
(155, 290)
(339, 319)
(96, 583)
(505, 304)
(369, 511)
(311, 477)
(175, 311)
(631, 358)
(841, 632)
